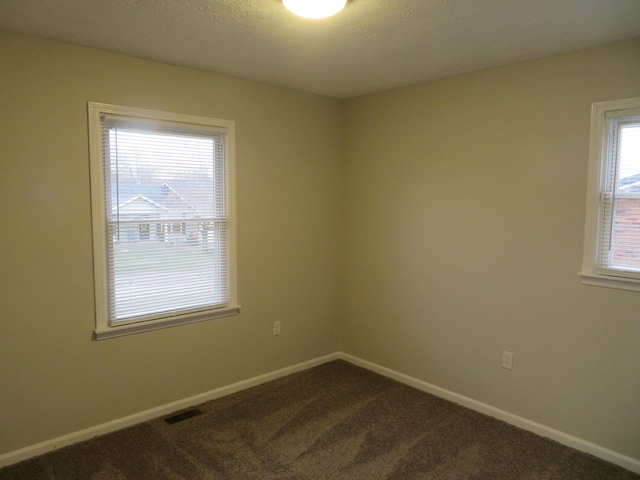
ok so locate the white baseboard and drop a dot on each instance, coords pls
(616, 458)
(146, 415)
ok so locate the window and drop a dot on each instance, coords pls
(163, 225)
(612, 231)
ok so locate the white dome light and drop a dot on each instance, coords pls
(314, 8)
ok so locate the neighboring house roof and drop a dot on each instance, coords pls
(161, 200)
(142, 197)
(630, 184)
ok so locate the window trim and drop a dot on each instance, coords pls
(103, 328)
(592, 273)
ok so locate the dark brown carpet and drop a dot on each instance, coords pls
(335, 421)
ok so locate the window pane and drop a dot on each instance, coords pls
(166, 222)
(629, 151)
(166, 267)
(625, 251)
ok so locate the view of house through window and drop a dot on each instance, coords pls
(165, 213)
(163, 222)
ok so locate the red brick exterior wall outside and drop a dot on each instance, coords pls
(626, 239)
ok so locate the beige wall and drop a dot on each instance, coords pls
(53, 378)
(465, 203)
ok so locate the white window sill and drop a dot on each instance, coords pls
(620, 283)
(132, 328)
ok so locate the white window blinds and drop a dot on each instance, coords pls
(619, 252)
(164, 217)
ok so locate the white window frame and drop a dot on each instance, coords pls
(104, 327)
(594, 272)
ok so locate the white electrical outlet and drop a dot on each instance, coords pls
(276, 327)
(507, 360)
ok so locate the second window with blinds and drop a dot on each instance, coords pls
(612, 231)
(163, 218)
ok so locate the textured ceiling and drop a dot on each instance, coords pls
(372, 45)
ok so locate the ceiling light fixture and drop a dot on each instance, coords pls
(314, 8)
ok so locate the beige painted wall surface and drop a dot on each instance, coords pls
(465, 211)
(53, 378)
